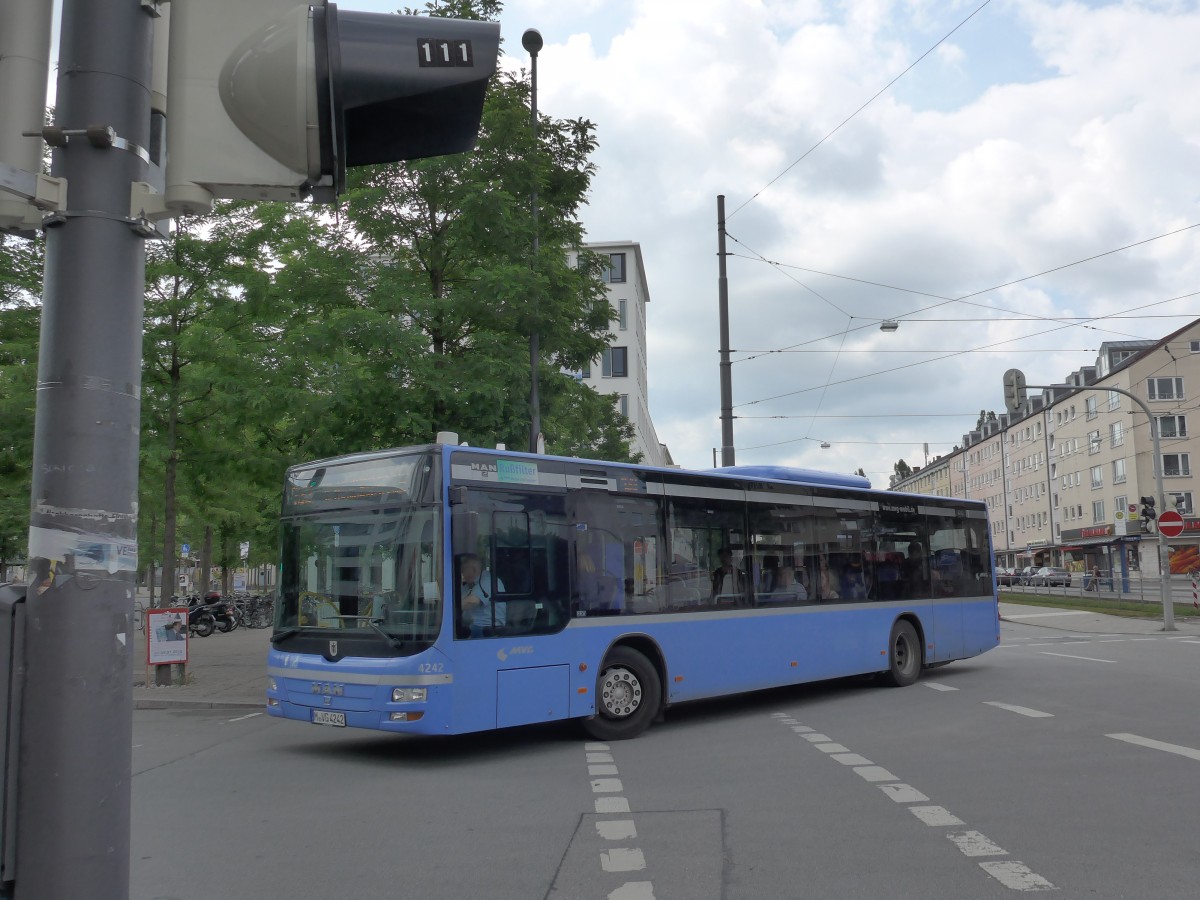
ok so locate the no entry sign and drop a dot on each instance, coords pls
(1170, 523)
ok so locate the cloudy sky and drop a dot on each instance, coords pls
(1033, 135)
(919, 160)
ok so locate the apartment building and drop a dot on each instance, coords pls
(622, 367)
(1075, 460)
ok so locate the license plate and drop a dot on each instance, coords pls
(327, 717)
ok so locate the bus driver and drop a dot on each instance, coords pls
(477, 591)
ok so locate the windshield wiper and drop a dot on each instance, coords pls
(373, 624)
(285, 634)
(390, 638)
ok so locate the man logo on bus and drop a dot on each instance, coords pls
(333, 648)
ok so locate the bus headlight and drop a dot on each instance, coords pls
(271, 685)
(408, 695)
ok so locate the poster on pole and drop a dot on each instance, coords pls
(166, 636)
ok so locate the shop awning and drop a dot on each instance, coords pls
(1100, 541)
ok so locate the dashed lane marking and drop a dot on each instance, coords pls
(616, 859)
(622, 859)
(935, 815)
(1020, 710)
(1072, 656)
(1016, 876)
(633, 890)
(1140, 741)
(972, 843)
(934, 686)
(1011, 874)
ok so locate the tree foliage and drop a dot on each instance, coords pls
(278, 333)
(20, 286)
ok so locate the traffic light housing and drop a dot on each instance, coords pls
(1014, 390)
(272, 100)
(1148, 514)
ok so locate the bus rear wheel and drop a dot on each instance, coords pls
(904, 655)
(628, 694)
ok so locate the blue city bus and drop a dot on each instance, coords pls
(447, 589)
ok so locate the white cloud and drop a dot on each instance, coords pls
(1038, 134)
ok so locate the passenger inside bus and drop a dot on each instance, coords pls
(826, 583)
(855, 584)
(727, 579)
(916, 571)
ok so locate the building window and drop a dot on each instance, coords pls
(1119, 504)
(1172, 426)
(1165, 388)
(1183, 502)
(623, 405)
(1097, 476)
(586, 372)
(1194, 346)
(1116, 434)
(1118, 471)
(1114, 400)
(1090, 406)
(1176, 464)
(1093, 442)
(614, 272)
(622, 314)
(1097, 511)
(615, 362)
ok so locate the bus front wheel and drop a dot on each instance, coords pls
(904, 655)
(628, 694)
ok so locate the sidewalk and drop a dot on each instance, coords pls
(1090, 622)
(225, 671)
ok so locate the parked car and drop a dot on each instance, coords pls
(1025, 575)
(1051, 576)
(1006, 576)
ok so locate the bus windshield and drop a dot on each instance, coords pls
(362, 557)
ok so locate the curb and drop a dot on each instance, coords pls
(181, 703)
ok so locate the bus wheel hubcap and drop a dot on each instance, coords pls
(620, 692)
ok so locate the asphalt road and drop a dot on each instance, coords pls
(1055, 762)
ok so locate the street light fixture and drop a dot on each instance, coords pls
(531, 40)
(889, 325)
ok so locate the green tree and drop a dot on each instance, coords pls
(437, 325)
(21, 263)
(902, 469)
(209, 289)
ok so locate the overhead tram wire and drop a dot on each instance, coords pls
(1105, 439)
(832, 367)
(758, 257)
(946, 356)
(874, 97)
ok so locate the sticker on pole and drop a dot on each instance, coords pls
(1170, 524)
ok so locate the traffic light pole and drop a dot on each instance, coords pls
(727, 452)
(75, 752)
(1164, 564)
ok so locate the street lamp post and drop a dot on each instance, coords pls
(531, 40)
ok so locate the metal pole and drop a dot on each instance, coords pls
(1164, 564)
(75, 754)
(531, 40)
(727, 458)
